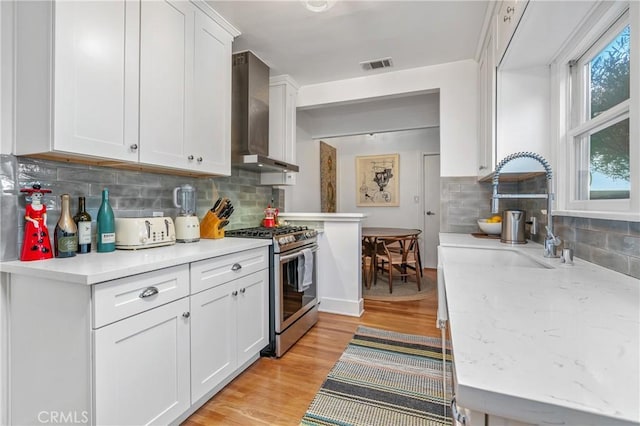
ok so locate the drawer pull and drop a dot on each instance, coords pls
(242, 290)
(234, 293)
(236, 267)
(186, 314)
(150, 291)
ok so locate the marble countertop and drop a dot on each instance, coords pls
(96, 267)
(556, 345)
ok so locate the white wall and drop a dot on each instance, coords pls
(305, 195)
(457, 84)
(355, 118)
(410, 144)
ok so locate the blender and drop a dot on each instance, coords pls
(187, 224)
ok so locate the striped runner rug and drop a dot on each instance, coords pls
(385, 378)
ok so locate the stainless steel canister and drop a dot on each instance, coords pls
(513, 227)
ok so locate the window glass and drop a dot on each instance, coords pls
(609, 74)
(603, 164)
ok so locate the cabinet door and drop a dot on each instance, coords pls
(96, 78)
(166, 58)
(213, 338)
(282, 129)
(487, 108)
(210, 143)
(253, 314)
(142, 367)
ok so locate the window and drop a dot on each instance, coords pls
(601, 171)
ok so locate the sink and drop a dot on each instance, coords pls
(497, 257)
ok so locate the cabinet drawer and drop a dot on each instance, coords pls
(128, 296)
(209, 273)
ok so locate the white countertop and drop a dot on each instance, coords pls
(545, 346)
(96, 267)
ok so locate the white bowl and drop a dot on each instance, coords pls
(490, 228)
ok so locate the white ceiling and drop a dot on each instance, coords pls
(318, 47)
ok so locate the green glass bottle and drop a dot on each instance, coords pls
(83, 222)
(106, 227)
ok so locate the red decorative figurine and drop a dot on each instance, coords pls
(36, 244)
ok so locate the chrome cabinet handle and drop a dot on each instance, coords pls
(430, 213)
(199, 160)
(511, 9)
(134, 147)
(148, 292)
(234, 293)
(242, 290)
(186, 314)
(190, 158)
(236, 267)
(506, 18)
(482, 167)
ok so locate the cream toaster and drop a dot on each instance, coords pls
(134, 233)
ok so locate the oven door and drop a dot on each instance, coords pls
(292, 300)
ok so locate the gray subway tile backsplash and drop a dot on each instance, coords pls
(131, 193)
(612, 244)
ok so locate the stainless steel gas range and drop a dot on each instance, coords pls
(293, 292)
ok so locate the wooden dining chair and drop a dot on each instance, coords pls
(400, 254)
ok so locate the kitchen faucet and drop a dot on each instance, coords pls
(551, 241)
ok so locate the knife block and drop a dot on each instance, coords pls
(209, 226)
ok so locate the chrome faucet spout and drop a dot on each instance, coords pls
(550, 243)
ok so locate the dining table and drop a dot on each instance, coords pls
(372, 239)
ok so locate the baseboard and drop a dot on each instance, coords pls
(342, 307)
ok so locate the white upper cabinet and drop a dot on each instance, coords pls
(166, 55)
(185, 89)
(144, 83)
(487, 106)
(283, 95)
(211, 113)
(89, 74)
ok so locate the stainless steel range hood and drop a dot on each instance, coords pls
(250, 116)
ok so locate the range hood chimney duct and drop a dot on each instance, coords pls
(250, 116)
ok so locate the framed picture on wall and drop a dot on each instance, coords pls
(377, 180)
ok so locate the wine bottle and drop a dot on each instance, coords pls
(66, 233)
(106, 227)
(83, 222)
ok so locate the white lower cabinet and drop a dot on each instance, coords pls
(229, 327)
(141, 367)
(143, 349)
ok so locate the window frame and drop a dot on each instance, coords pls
(597, 32)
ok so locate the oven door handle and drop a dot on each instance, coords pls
(293, 256)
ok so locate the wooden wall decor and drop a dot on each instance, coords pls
(328, 181)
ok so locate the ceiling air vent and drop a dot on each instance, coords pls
(376, 64)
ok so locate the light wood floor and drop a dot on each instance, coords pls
(278, 391)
